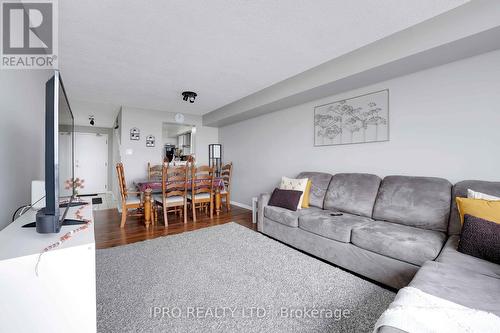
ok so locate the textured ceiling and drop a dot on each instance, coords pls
(145, 53)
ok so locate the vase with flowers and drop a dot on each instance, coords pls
(76, 183)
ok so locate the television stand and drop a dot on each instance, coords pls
(73, 222)
(65, 222)
(66, 274)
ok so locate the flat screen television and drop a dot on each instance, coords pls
(59, 159)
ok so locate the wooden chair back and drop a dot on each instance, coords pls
(226, 174)
(154, 171)
(122, 184)
(174, 180)
(202, 179)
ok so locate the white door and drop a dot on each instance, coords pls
(91, 162)
(65, 172)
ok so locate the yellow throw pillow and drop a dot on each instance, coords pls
(485, 209)
(305, 200)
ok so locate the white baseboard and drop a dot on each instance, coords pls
(238, 204)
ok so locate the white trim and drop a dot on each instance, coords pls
(241, 205)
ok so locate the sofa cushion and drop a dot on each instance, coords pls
(287, 217)
(450, 255)
(353, 193)
(333, 227)
(460, 190)
(459, 285)
(398, 241)
(422, 202)
(319, 185)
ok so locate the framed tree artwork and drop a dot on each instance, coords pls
(359, 119)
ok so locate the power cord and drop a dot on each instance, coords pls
(24, 209)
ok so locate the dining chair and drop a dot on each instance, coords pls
(127, 201)
(154, 171)
(174, 191)
(201, 194)
(226, 174)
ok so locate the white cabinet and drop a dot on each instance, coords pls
(180, 141)
(184, 143)
(62, 298)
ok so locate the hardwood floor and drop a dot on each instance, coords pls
(109, 234)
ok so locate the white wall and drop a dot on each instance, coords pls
(444, 122)
(22, 136)
(150, 122)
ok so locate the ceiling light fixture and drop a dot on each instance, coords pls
(189, 96)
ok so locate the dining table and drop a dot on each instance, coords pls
(154, 185)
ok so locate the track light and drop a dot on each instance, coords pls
(189, 96)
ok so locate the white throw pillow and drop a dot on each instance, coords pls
(478, 195)
(294, 184)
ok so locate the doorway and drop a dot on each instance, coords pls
(178, 141)
(91, 162)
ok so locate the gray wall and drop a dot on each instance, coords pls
(444, 122)
(22, 128)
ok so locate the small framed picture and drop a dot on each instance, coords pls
(135, 134)
(150, 141)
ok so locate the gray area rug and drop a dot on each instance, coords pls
(229, 278)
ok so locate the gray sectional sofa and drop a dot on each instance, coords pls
(398, 231)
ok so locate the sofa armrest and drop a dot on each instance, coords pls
(263, 201)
